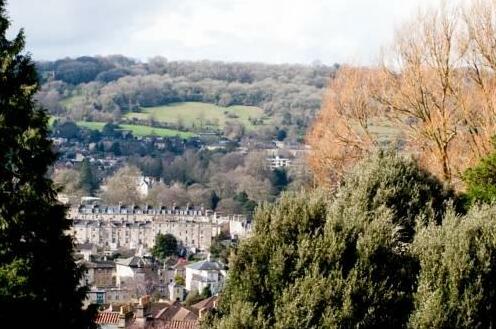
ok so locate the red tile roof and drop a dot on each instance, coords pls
(107, 318)
(207, 303)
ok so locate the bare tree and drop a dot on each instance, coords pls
(341, 133)
(123, 186)
(436, 83)
(426, 94)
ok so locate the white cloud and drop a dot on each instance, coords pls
(241, 30)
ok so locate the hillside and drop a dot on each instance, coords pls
(197, 115)
(182, 95)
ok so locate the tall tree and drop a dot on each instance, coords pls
(37, 271)
(341, 134)
(87, 179)
(436, 84)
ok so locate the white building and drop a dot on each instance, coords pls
(278, 162)
(132, 271)
(204, 274)
(176, 292)
(145, 184)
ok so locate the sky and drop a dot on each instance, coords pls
(273, 31)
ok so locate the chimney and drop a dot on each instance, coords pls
(125, 315)
(143, 308)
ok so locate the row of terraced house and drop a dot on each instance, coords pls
(135, 227)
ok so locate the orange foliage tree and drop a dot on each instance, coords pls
(437, 84)
(341, 133)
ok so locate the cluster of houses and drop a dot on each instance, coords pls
(118, 283)
(113, 247)
(146, 314)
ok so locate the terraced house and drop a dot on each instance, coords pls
(134, 227)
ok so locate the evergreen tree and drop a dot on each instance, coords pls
(38, 275)
(87, 178)
(165, 246)
(457, 283)
(334, 261)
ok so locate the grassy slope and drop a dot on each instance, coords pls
(192, 113)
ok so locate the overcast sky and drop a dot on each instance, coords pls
(276, 31)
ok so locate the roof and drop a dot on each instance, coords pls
(107, 318)
(207, 303)
(164, 324)
(85, 246)
(176, 312)
(133, 261)
(100, 264)
(156, 308)
(206, 265)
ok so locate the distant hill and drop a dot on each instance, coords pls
(184, 95)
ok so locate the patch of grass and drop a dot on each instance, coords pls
(91, 125)
(201, 115)
(138, 130)
(71, 101)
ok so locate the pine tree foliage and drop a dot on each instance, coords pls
(457, 284)
(38, 275)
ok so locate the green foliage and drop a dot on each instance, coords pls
(193, 298)
(218, 248)
(87, 179)
(246, 204)
(334, 261)
(37, 271)
(165, 246)
(457, 284)
(206, 292)
(480, 180)
(281, 134)
(279, 179)
(389, 180)
(179, 280)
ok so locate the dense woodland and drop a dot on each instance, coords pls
(108, 87)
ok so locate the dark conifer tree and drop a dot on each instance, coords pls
(39, 280)
(87, 178)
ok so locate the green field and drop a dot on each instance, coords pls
(138, 130)
(201, 115)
